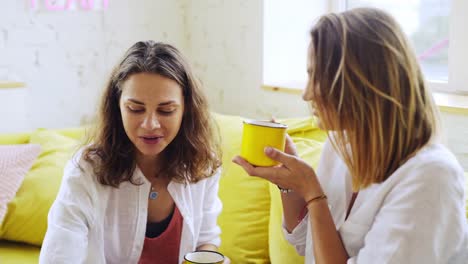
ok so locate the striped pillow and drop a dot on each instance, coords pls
(15, 162)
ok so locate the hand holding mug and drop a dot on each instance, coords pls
(293, 173)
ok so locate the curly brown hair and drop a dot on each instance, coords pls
(194, 153)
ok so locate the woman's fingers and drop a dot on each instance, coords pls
(290, 147)
(293, 173)
(249, 168)
(284, 158)
(272, 174)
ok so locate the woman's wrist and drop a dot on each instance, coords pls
(316, 199)
(312, 189)
(310, 202)
(317, 207)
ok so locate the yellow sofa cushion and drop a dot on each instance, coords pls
(26, 219)
(246, 202)
(309, 142)
(14, 138)
(23, 137)
(18, 253)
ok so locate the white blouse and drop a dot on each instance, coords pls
(416, 216)
(93, 223)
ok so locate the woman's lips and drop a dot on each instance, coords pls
(151, 140)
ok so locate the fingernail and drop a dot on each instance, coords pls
(268, 150)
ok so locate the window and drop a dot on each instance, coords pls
(426, 23)
(286, 37)
(434, 27)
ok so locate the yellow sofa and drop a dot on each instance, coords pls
(251, 216)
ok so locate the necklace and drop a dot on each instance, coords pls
(153, 194)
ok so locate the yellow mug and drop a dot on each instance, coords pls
(204, 257)
(256, 136)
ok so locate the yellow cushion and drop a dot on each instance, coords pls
(246, 202)
(26, 219)
(14, 138)
(309, 141)
(17, 253)
(75, 132)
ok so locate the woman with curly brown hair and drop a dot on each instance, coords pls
(144, 189)
(386, 190)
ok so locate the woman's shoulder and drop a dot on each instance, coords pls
(214, 176)
(79, 166)
(436, 157)
(433, 165)
(78, 159)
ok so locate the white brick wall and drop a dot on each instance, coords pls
(65, 56)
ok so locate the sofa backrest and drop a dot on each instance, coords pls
(23, 137)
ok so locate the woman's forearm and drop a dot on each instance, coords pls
(328, 247)
(293, 205)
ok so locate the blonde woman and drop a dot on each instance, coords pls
(386, 190)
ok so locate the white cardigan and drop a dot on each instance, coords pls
(93, 223)
(416, 216)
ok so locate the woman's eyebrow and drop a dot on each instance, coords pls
(168, 103)
(135, 101)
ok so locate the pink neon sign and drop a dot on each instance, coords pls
(53, 6)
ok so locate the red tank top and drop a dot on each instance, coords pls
(164, 249)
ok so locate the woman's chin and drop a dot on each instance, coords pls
(150, 151)
(317, 121)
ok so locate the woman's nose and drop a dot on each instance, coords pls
(151, 122)
(307, 94)
(309, 91)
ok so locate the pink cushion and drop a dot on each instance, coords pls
(15, 162)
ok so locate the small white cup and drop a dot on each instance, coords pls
(204, 257)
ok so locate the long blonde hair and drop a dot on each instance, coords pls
(369, 92)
